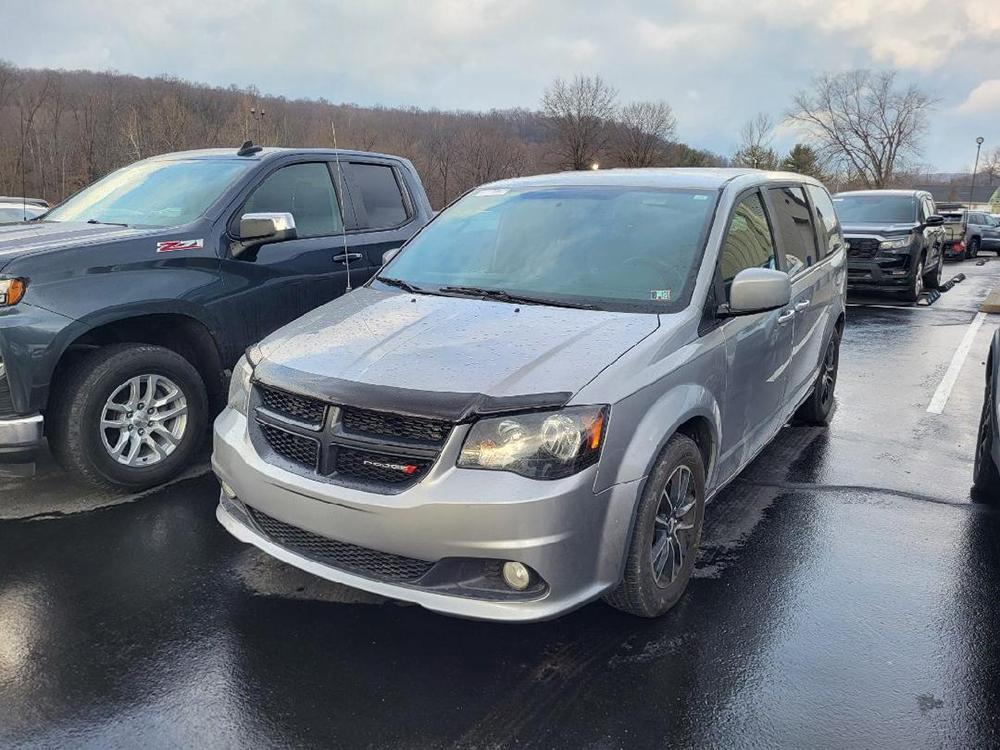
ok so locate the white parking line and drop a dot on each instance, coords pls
(943, 391)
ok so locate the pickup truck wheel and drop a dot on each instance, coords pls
(817, 408)
(973, 249)
(666, 534)
(129, 416)
(985, 477)
(917, 287)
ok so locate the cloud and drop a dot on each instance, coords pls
(983, 98)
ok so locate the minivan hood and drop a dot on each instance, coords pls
(23, 239)
(879, 228)
(449, 344)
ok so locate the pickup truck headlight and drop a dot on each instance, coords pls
(239, 386)
(538, 445)
(898, 243)
(11, 291)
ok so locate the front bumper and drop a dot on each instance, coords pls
(20, 438)
(572, 538)
(892, 273)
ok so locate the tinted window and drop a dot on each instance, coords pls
(829, 226)
(616, 247)
(306, 192)
(749, 243)
(158, 193)
(795, 227)
(976, 219)
(875, 208)
(380, 195)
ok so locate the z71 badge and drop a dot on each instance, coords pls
(172, 245)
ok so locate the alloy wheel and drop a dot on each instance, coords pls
(673, 527)
(144, 420)
(983, 445)
(918, 283)
(828, 379)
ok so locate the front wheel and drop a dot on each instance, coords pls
(985, 476)
(666, 534)
(128, 416)
(917, 287)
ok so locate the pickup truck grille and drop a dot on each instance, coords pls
(373, 450)
(343, 555)
(6, 402)
(862, 247)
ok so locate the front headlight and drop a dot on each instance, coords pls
(239, 386)
(11, 291)
(901, 243)
(539, 445)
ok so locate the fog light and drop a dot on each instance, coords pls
(228, 491)
(516, 575)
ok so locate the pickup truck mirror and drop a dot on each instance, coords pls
(263, 229)
(390, 254)
(934, 220)
(757, 290)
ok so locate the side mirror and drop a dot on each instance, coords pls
(263, 229)
(934, 220)
(390, 254)
(757, 290)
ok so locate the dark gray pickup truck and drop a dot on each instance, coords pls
(123, 309)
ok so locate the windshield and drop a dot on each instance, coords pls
(152, 193)
(613, 247)
(876, 209)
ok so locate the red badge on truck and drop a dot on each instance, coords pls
(171, 245)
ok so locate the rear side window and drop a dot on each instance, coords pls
(306, 192)
(380, 195)
(828, 224)
(749, 242)
(795, 227)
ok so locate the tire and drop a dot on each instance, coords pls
(916, 289)
(933, 279)
(642, 592)
(985, 476)
(817, 408)
(973, 249)
(99, 387)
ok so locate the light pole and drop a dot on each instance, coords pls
(258, 118)
(972, 190)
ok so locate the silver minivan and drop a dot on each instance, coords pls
(530, 405)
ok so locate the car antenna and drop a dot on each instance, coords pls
(248, 149)
(340, 203)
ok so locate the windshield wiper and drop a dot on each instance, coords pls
(404, 285)
(109, 223)
(503, 296)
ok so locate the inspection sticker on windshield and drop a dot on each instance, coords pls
(173, 245)
(660, 295)
(489, 192)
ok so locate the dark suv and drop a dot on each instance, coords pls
(123, 309)
(895, 240)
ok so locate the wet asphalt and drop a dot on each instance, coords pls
(847, 595)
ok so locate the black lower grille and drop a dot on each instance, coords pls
(379, 467)
(6, 402)
(343, 555)
(862, 247)
(301, 450)
(390, 425)
(292, 405)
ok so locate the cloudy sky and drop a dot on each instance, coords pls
(718, 62)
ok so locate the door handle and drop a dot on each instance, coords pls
(785, 317)
(799, 306)
(343, 257)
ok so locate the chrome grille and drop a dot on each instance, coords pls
(343, 555)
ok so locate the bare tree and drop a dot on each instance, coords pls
(643, 131)
(579, 113)
(864, 123)
(755, 144)
(991, 165)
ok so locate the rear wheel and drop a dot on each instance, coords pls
(818, 407)
(666, 534)
(933, 279)
(129, 416)
(985, 476)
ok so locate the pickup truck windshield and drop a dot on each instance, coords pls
(876, 209)
(624, 248)
(153, 193)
